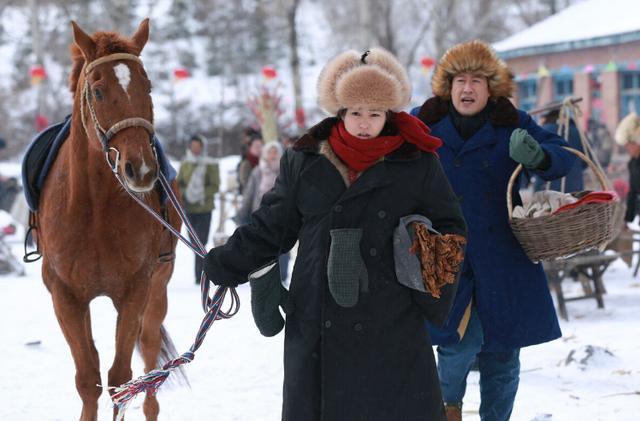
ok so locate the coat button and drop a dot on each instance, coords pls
(327, 324)
(457, 163)
(357, 327)
(381, 214)
(460, 198)
(373, 252)
(485, 163)
(337, 208)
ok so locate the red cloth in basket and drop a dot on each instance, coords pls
(591, 197)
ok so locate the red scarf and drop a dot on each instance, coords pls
(360, 154)
(253, 160)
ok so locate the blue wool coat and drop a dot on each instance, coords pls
(508, 290)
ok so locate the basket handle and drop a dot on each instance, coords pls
(597, 171)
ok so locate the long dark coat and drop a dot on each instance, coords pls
(373, 361)
(509, 291)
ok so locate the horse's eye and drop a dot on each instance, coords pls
(97, 93)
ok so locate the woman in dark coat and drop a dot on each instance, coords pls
(355, 343)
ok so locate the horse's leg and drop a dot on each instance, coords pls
(130, 308)
(150, 335)
(75, 321)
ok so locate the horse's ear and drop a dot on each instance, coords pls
(141, 36)
(84, 42)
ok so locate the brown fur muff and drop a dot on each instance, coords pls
(475, 57)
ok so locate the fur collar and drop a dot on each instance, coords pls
(311, 141)
(504, 113)
(326, 150)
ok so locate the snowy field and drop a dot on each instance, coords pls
(237, 373)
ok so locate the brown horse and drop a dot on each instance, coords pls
(95, 240)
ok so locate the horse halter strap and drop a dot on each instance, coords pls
(106, 135)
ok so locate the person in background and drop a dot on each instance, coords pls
(574, 180)
(199, 181)
(288, 140)
(9, 187)
(628, 136)
(249, 161)
(601, 141)
(502, 303)
(355, 347)
(262, 179)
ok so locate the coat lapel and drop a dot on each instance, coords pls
(484, 137)
(452, 139)
(375, 177)
(326, 179)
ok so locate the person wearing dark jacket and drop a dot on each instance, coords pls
(355, 347)
(502, 303)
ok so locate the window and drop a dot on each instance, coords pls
(527, 94)
(629, 92)
(562, 86)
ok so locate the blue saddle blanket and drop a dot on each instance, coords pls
(42, 153)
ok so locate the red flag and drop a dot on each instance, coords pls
(269, 72)
(37, 73)
(427, 62)
(42, 122)
(180, 74)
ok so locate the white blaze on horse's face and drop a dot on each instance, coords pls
(144, 168)
(124, 75)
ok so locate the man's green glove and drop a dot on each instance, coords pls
(523, 148)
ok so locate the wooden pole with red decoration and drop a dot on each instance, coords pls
(179, 74)
(38, 75)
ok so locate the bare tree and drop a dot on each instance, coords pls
(294, 61)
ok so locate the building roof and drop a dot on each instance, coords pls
(591, 23)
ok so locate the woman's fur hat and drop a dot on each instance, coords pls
(475, 57)
(374, 79)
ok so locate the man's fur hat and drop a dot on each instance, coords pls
(628, 130)
(374, 79)
(475, 57)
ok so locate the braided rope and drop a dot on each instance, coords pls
(150, 382)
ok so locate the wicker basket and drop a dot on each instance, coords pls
(566, 233)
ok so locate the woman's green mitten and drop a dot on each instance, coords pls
(266, 296)
(346, 270)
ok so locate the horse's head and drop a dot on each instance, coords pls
(112, 94)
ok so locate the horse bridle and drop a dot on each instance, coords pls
(104, 136)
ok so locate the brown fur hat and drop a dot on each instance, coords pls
(628, 130)
(375, 79)
(475, 57)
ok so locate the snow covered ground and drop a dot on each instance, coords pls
(237, 373)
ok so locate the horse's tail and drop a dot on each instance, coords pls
(167, 353)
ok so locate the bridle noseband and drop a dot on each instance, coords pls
(104, 136)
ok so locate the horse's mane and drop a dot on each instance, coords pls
(106, 43)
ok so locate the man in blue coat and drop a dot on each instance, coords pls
(503, 302)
